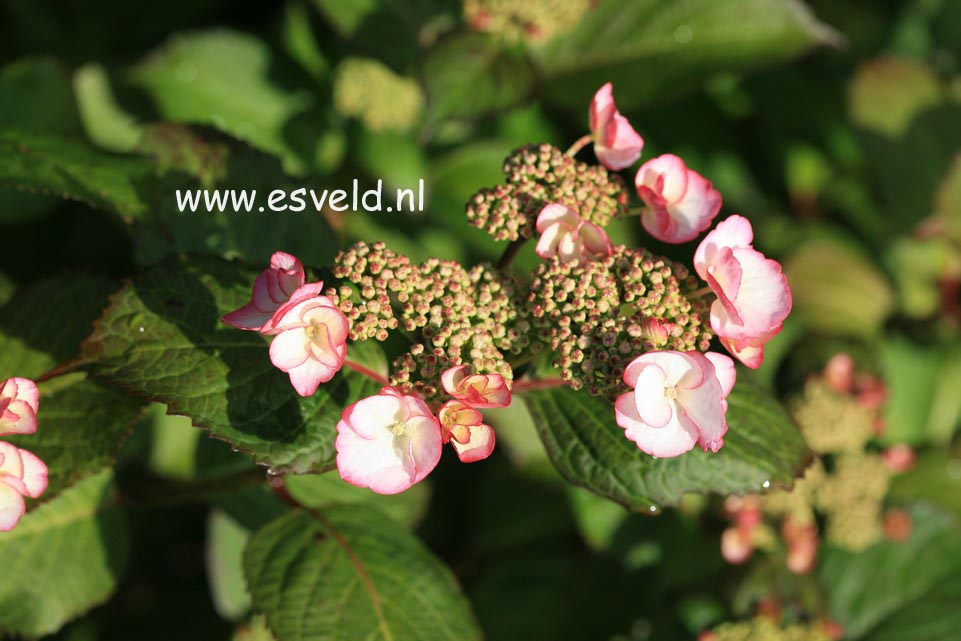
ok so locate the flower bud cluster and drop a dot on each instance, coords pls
(832, 422)
(851, 496)
(375, 279)
(598, 316)
(763, 628)
(542, 174)
(367, 89)
(461, 316)
(838, 413)
(537, 20)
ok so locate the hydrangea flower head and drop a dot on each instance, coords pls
(681, 203)
(387, 442)
(677, 401)
(616, 144)
(753, 297)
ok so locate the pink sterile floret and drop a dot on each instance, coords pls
(753, 297)
(477, 390)
(616, 144)
(677, 401)
(463, 426)
(387, 442)
(22, 474)
(565, 235)
(681, 203)
(272, 288)
(310, 339)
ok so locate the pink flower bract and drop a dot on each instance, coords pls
(681, 203)
(616, 144)
(677, 401)
(310, 339)
(19, 402)
(21, 473)
(387, 442)
(565, 235)
(463, 426)
(272, 288)
(477, 390)
(753, 297)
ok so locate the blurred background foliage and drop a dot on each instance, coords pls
(838, 135)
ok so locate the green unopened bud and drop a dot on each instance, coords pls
(367, 89)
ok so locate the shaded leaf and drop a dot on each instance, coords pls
(229, 79)
(320, 490)
(59, 166)
(217, 162)
(42, 325)
(653, 49)
(499, 77)
(390, 29)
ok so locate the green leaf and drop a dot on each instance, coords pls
(104, 120)
(598, 520)
(919, 267)
(884, 583)
(35, 95)
(905, 118)
(923, 402)
(229, 528)
(935, 478)
(836, 290)
(229, 79)
(947, 201)
(500, 77)
(351, 573)
(50, 164)
(226, 540)
(62, 559)
(181, 453)
(42, 325)
(162, 339)
(887, 93)
(82, 425)
(320, 490)
(762, 446)
(654, 49)
(256, 630)
(219, 162)
(392, 30)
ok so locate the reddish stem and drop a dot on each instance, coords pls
(538, 383)
(369, 373)
(579, 144)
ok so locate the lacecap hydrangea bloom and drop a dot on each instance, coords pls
(617, 322)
